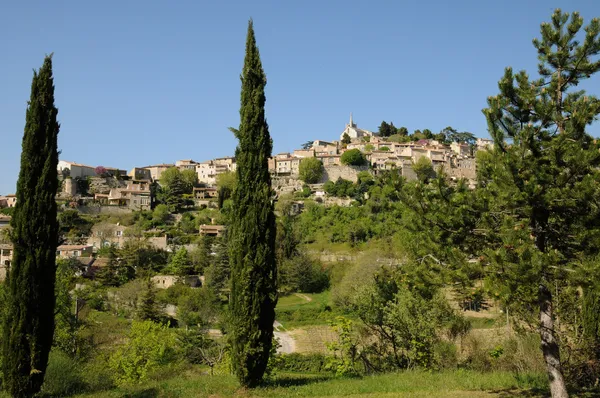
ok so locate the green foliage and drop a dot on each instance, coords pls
(344, 350)
(198, 348)
(29, 317)
(199, 307)
(252, 232)
(542, 188)
(345, 139)
(174, 186)
(73, 227)
(341, 188)
(180, 263)
(301, 274)
(219, 272)
(302, 363)
(63, 376)
(226, 183)
(386, 130)
(149, 347)
(69, 328)
(311, 170)
(353, 157)
(406, 327)
(148, 309)
(423, 168)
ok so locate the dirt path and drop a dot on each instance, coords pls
(304, 296)
(287, 344)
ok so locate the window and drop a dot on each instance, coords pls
(119, 233)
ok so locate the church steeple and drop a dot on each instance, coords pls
(351, 121)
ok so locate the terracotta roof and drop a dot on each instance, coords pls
(157, 165)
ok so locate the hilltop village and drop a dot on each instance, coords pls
(107, 191)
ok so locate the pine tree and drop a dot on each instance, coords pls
(30, 301)
(252, 238)
(543, 186)
(149, 310)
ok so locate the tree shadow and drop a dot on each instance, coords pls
(515, 392)
(294, 381)
(147, 393)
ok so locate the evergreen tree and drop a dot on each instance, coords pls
(543, 188)
(252, 237)
(30, 299)
(219, 271)
(148, 309)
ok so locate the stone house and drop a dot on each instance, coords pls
(140, 174)
(287, 165)
(461, 149)
(205, 193)
(137, 196)
(304, 153)
(166, 281)
(321, 147)
(9, 200)
(74, 251)
(207, 172)
(75, 170)
(157, 170)
(212, 230)
(484, 143)
(330, 160)
(105, 234)
(186, 164)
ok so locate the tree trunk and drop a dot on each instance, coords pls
(550, 345)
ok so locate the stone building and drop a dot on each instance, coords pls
(354, 132)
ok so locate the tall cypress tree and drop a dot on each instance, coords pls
(252, 239)
(30, 300)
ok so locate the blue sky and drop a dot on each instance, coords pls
(146, 82)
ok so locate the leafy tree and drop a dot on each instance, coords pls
(301, 274)
(252, 236)
(402, 131)
(385, 129)
(428, 134)
(544, 186)
(199, 307)
(190, 178)
(226, 183)
(346, 139)
(29, 313)
(149, 346)
(423, 168)
(73, 227)
(180, 263)
(311, 170)
(353, 157)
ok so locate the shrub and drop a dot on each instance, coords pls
(353, 157)
(304, 363)
(310, 170)
(63, 376)
(150, 346)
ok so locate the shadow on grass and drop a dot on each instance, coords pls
(294, 381)
(515, 392)
(147, 393)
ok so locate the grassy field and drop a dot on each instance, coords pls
(405, 384)
(304, 309)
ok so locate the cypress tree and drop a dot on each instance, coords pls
(30, 300)
(252, 239)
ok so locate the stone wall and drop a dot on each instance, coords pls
(333, 172)
(104, 210)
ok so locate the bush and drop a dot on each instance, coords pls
(150, 347)
(353, 157)
(301, 274)
(310, 170)
(304, 363)
(63, 377)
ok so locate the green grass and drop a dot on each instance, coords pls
(294, 311)
(406, 384)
